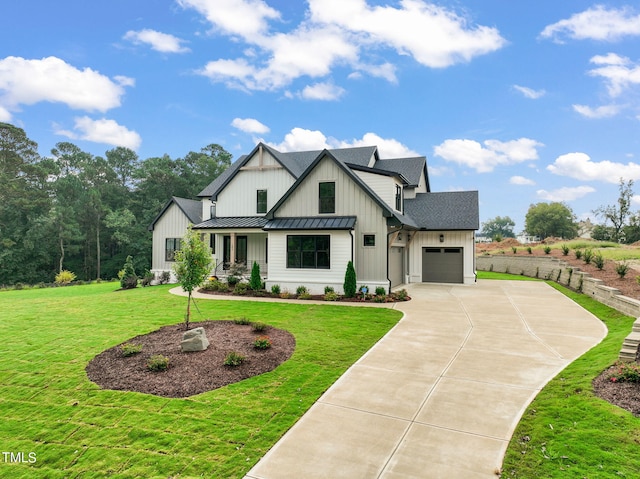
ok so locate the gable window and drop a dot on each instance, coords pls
(327, 196)
(261, 202)
(312, 252)
(369, 240)
(398, 198)
(171, 246)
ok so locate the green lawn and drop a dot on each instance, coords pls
(50, 408)
(567, 432)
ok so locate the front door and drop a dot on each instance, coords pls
(241, 251)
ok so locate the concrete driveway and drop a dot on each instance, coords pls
(441, 393)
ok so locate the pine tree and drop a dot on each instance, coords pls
(255, 282)
(350, 281)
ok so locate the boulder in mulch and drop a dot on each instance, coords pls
(194, 340)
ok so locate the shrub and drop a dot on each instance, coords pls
(165, 277)
(625, 372)
(565, 250)
(147, 278)
(381, 291)
(622, 269)
(255, 282)
(64, 277)
(587, 256)
(547, 249)
(275, 289)
(301, 290)
(514, 249)
(380, 298)
(233, 359)
(529, 250)
(578, 253)
(598, 260)
(158, 362)
(259, 327)
(401, 295)
(262, 342)
(497, 238)
(232, 281)
(328, 289)
(243, 321)
(350, 281)
(331, 296)
(129, 279)
(305, 295)
(129, 349)
(241, 289)
(215, 285)
(285, 294)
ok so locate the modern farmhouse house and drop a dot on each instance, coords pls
(302, 216)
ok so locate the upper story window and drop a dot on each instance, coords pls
(327, 196)
(398, 198)
(261, 202)
(171, 246)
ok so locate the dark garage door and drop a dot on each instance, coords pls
(442, 265)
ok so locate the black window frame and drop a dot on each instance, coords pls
(398, 198)
(212, 243)
(171, 245)
(326, 202)
(370, 237)
(261, 204)
(309, 251)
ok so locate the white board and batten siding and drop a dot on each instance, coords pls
(314, 279)
(172, 224)
(239, 197)
(452, 239)
(351, 200)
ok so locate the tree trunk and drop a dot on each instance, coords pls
(61, 254)
(188, 311)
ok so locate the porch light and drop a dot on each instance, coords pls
(441, 238)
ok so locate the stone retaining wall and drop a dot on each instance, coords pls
(563, 273)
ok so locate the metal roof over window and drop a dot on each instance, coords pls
(312, 223)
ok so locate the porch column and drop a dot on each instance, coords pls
(232, 253)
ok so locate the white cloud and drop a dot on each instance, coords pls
(618, 72)
(336, 33)
(250, 125)
(245, 18)
(521, 180)
(565, 194)
(432, 35)
(300, 139)
(322, 91)
(26, 82)
(161, 42)
(604, 111)
(529, 92)
(5, 115)
(492, 153)
(102, 131)
(596, 23)
(579, 166)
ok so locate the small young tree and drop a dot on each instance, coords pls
(350, 281)
(193, 265)
(255, 282)
(128, 277)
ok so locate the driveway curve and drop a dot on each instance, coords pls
(441, 394)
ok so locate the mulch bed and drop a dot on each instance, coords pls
(194, 372)
(623, 394)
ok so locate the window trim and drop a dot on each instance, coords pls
(170, 253)
(300, 251)
(322, 203)
(259, 203)
(399, 198)
(365, 236)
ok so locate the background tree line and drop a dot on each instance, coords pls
(619, 223)
(84, 213)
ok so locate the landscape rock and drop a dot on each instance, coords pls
(194, 340)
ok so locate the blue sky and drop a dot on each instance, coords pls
(523, 101)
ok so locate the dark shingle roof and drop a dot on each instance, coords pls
(215, 185)
(454, 210)
(192, 209)
(410, 168)
(233, 222)
(312, 223)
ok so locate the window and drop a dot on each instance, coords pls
(327, 196)
(261, 203)
(369, 240)
(171, 246)
(308, 251)
(212, 243)
(398, 198)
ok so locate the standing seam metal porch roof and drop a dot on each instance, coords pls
(233, 222)
(312, 223)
